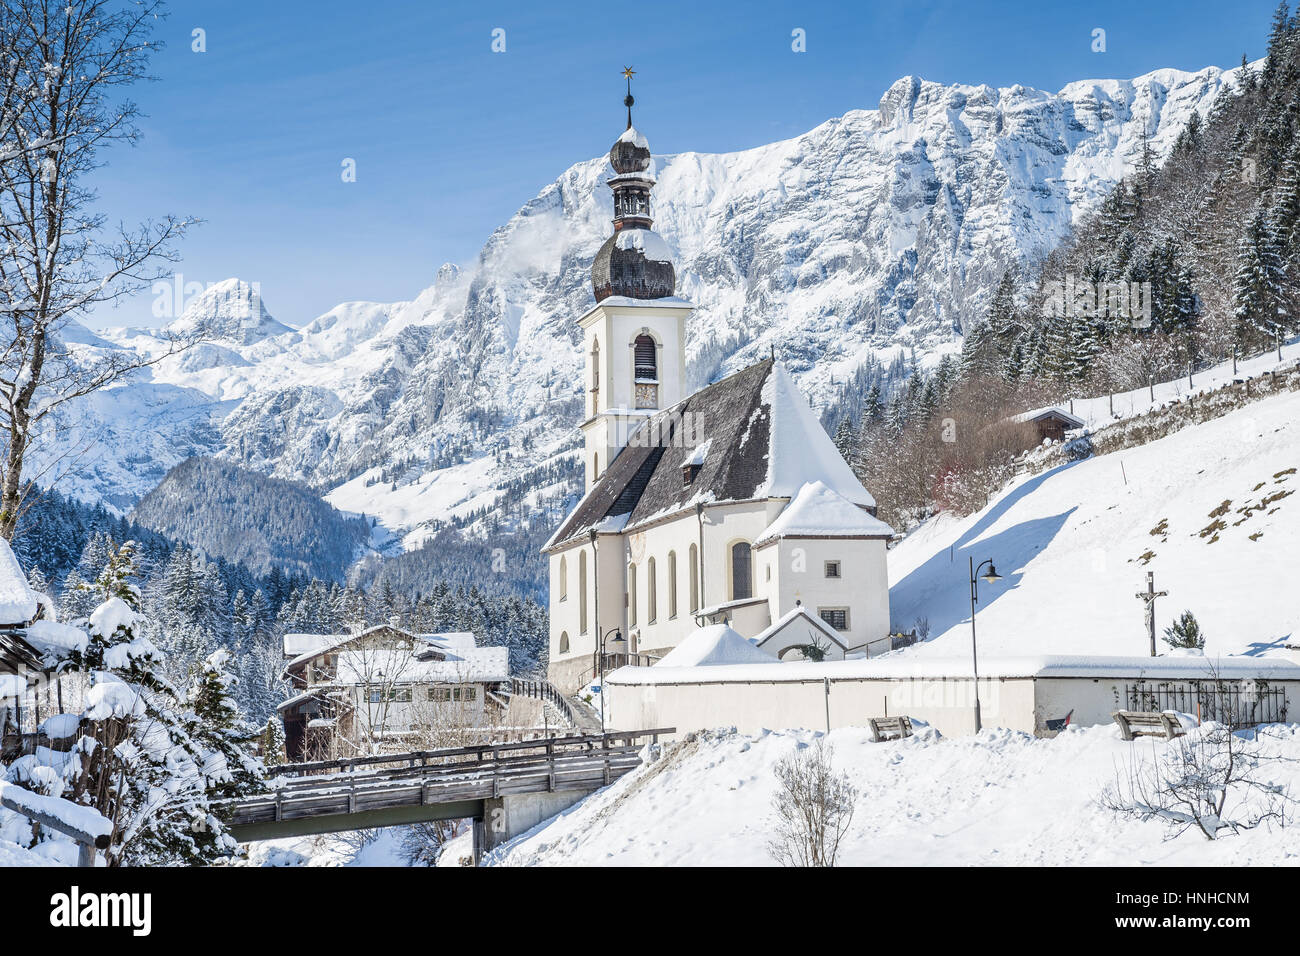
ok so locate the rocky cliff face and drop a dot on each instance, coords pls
(879, 230)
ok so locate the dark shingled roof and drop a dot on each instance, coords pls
(645, 480)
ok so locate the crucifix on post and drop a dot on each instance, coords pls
(1149, 596)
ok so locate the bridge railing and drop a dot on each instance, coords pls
(465, 757)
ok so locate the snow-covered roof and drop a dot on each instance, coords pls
(817, 511)
(1050, 411)
(913, 667)
(50, 637)
(396, 666)
(635, 137)
(313, 645)
(447, 657)
(713, 646)
(649, 242)
(763, 442)
(18, 602)
(798, 617)
(799, 450)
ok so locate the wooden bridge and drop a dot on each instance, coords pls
(504, 788)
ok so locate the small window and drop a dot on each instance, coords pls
(832, 569)
(836, 617)
(564, 578)
(564, 642)
(402, 695)
(440, 694)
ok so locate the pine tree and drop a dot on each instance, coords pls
(844, 439)
(217, 724)
(1185, 632)
(143, 770)
(1259, 287)
(273, 742)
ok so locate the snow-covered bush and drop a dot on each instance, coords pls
(813, 806)
(1213, 780)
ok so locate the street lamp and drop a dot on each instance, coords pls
(991, 576)
(601, 650)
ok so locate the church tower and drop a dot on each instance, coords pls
(634, 340)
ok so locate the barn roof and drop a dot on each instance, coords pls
(750, 436)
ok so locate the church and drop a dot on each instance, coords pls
(730, 504)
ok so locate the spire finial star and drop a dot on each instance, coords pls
(628, 73)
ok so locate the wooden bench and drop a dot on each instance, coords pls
(1137, 723)
(890, 728)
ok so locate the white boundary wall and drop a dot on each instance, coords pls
(1016, 693)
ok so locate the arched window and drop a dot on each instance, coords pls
(564, 642)
(672, 584)
(647, 364)
(564, 578)
(631, 595)
(582, 592)
(741, 585)
(595, 467)
(694, 558)
(652, 593)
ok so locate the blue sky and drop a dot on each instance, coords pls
(450, 138)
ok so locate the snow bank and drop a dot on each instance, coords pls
(712, 646)
(1000, 798)
(1074, 544)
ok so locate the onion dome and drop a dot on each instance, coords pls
(635, 261)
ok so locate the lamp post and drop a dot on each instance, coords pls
(990, 577)
(601, 650)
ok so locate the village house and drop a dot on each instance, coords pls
(387, 688)
(729, 504)
(29, 692)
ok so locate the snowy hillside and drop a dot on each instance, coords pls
(879, 230)
(1209, 509)
(1002, 798)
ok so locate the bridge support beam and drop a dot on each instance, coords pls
(361, 820)
(507, 817)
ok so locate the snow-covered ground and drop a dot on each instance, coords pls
(1001, 798)
(1208, 509)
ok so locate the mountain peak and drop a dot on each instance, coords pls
(230, 311)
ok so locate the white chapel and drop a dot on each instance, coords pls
(728, 504)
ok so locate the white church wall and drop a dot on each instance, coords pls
(798, 567)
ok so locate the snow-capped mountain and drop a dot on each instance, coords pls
(878, 230)
(228, 313)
